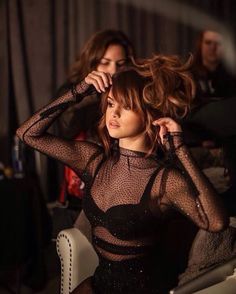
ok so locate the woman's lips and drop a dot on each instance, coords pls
(113, 124)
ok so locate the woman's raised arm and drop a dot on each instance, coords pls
(34, 131)
(188, 189)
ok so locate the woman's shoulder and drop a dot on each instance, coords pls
(90, 147)
(171, 175)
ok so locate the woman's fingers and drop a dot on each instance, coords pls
(100, 80)
(166, 125)
(169, 123)
(106, 77)
(96, 81)
(162, 133)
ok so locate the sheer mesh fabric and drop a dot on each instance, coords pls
(128, 199)
(116, 186)
(117, 190)
(34, 133)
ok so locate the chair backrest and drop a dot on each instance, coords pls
(77, 256)
(212, 281)
(79, 260)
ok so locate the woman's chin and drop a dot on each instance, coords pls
(113, 134)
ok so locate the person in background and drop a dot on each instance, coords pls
(106, 51)
(215, 84)
(131, 192)
(212, 78)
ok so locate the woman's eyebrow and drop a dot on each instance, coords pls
(108, 59)
(109, 97)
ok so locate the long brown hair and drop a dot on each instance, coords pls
(154, 88)
(94, 50)
(197, 64)
(197, 57)
(171, 89)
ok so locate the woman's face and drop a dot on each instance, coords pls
(125, 124)
(113, 59)
(211, 47)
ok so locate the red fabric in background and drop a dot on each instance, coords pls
(72, 184)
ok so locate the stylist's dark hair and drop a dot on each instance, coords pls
(94, 50)
(197, 63)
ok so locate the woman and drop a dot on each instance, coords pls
(106, 51)
(212, 123)
(213, 79)
(130, 191)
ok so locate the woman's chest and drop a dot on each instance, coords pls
(113, 187)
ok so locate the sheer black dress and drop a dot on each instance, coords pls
(127, 201)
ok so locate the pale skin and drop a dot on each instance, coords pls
(125, 124)
(113, 59)
(211, 49)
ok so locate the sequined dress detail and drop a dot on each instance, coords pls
(128, 200)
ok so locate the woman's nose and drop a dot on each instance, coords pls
(116, 112)
(112, 68)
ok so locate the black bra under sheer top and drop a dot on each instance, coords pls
(124, 229)
(126, 199)
(135, 218)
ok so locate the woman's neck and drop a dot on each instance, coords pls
(211, 66)
(135, 145)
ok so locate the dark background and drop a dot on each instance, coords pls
(40, 39)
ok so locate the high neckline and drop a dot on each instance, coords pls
(137, 159)
(131, 153)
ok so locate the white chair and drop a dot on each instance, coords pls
(77, 256)
(79, 260)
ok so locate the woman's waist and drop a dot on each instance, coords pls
(132, 275)
(116, 253)
(124, 250)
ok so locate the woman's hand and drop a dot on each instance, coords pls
(99, 80)
(167, 125)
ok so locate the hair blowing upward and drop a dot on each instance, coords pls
(156, 87)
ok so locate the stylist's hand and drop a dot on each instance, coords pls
(99, 80)
(167, 125)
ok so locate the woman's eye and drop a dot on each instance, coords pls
(109, 104)
(121, 63)
(126, 107)
(104, 63)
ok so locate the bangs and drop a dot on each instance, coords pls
(126, 97)
(127, 89)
